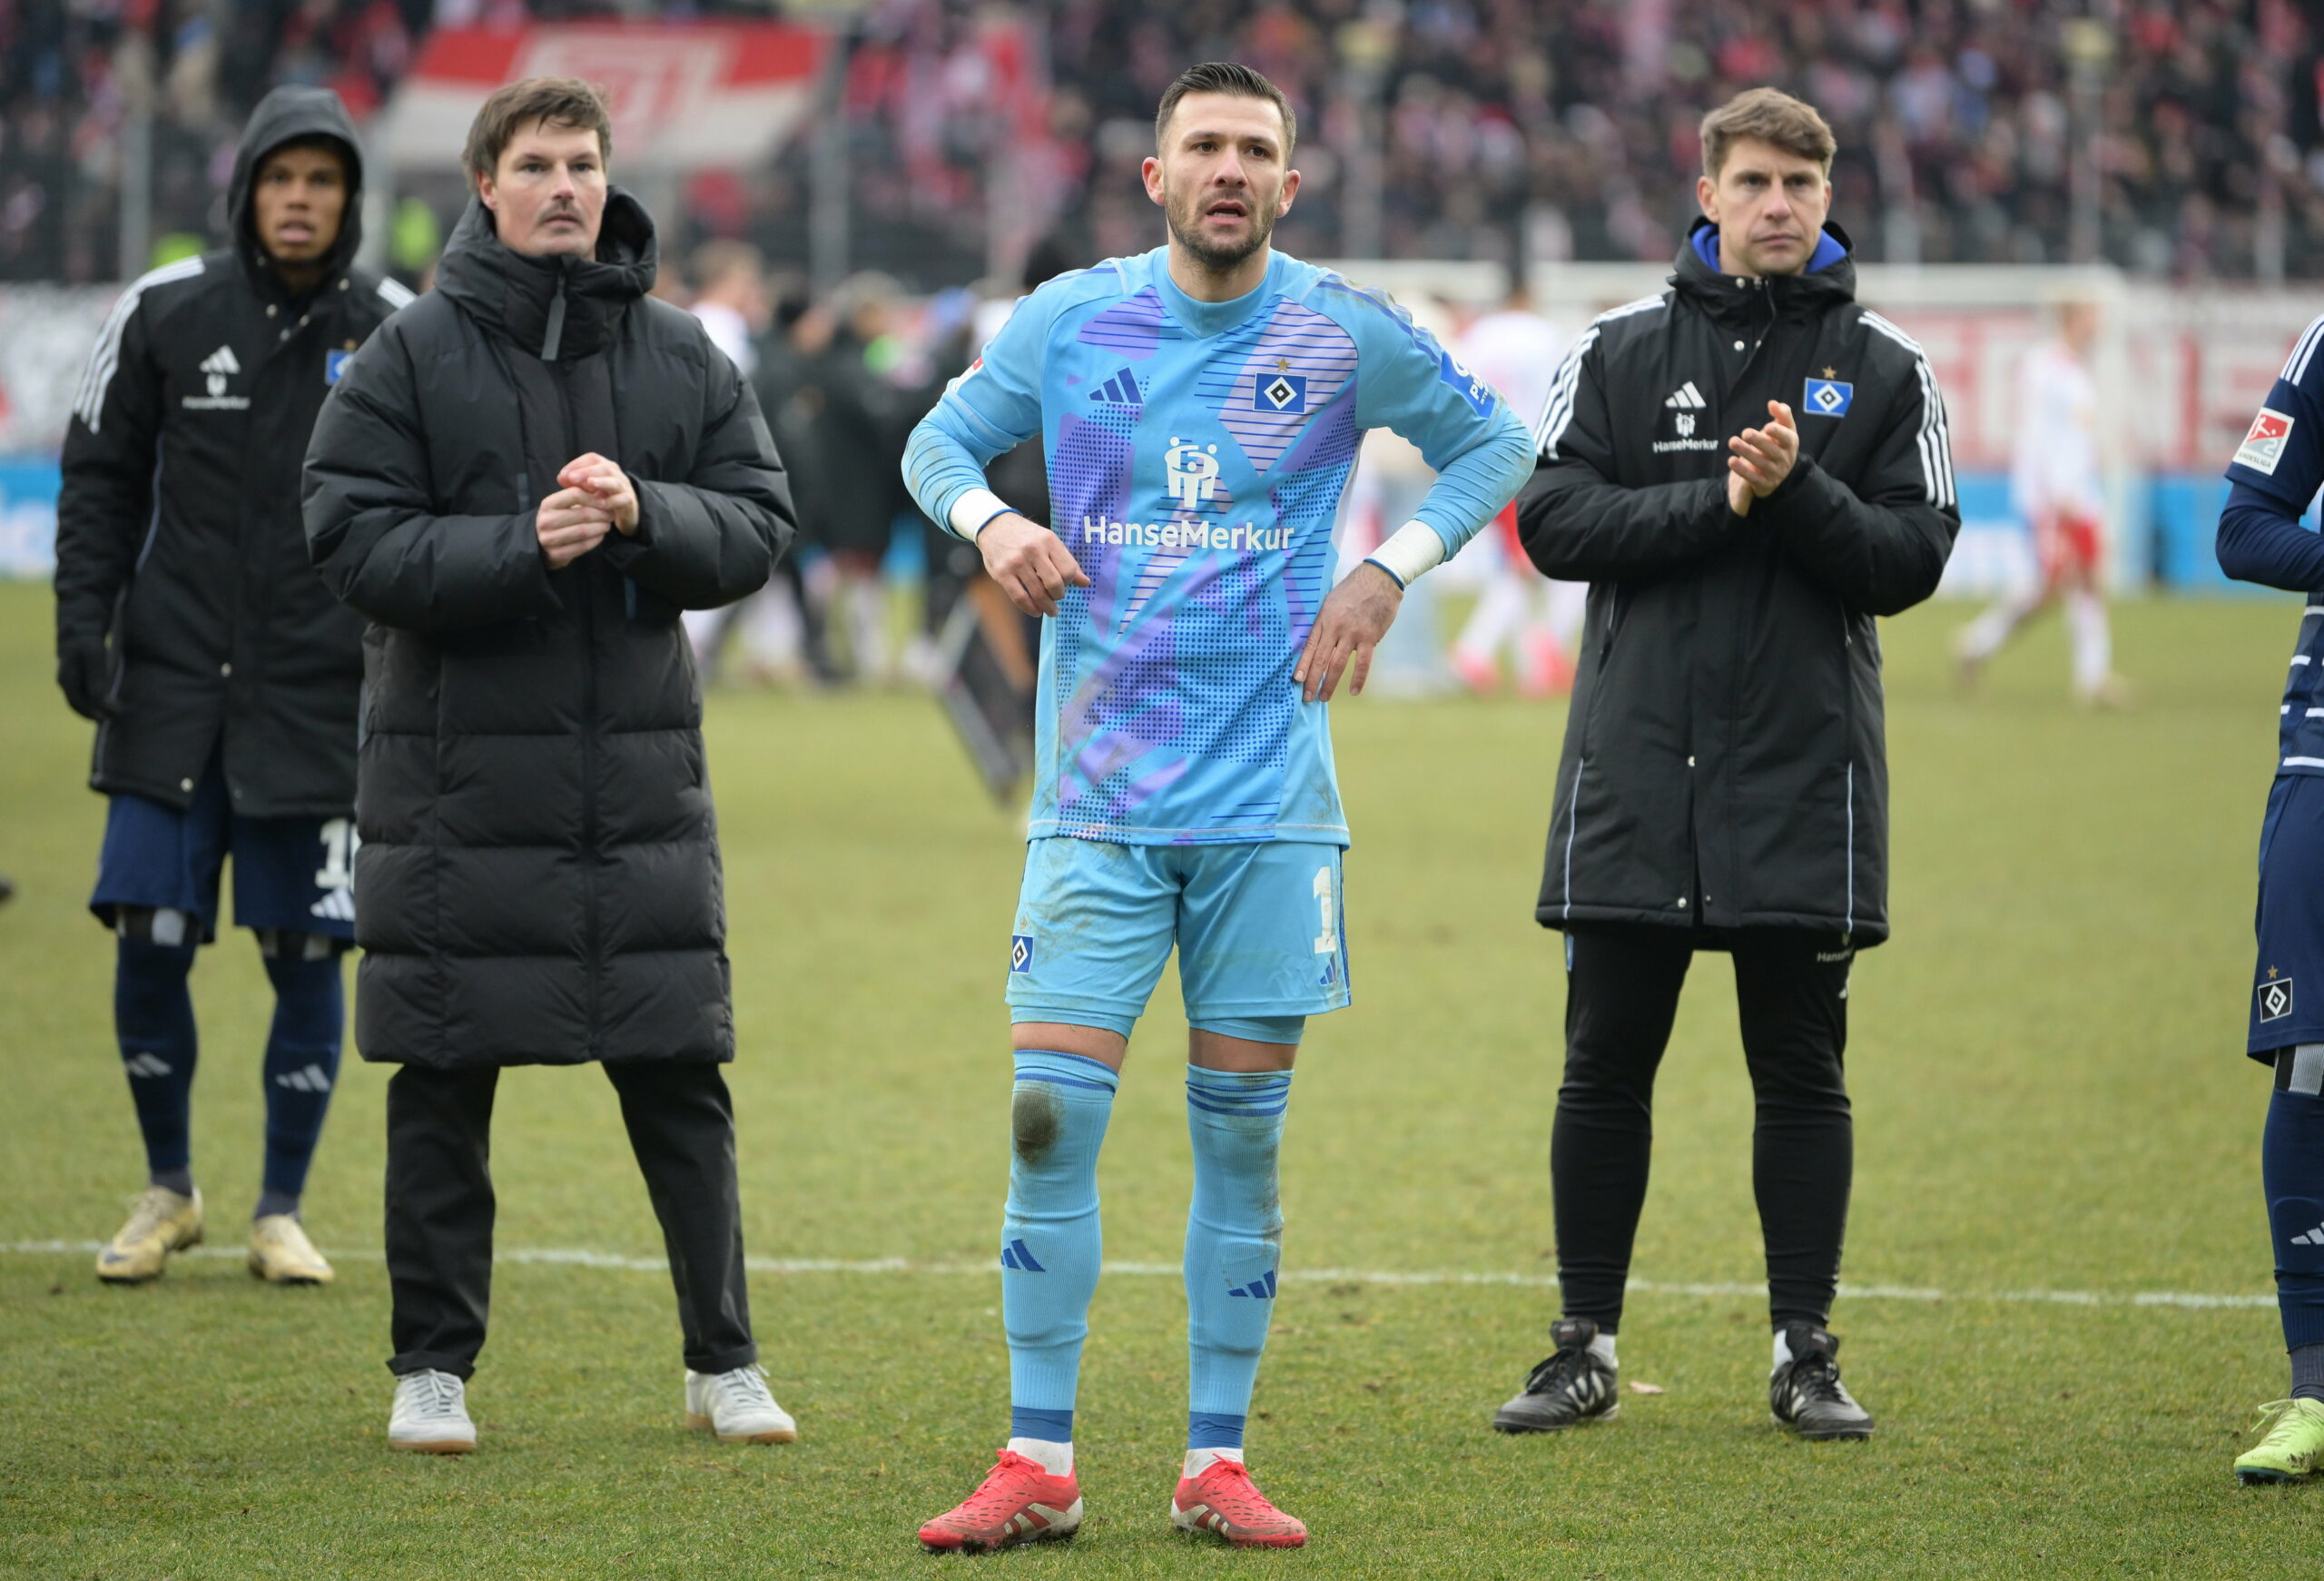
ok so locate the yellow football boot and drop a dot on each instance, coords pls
(2292, 1449)
(160, 1223)
(281, 1253)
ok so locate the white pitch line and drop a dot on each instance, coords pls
(581, 1257)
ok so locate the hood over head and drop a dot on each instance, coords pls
(556, 307)
(287, 115)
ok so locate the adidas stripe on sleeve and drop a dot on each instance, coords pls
(105, 360)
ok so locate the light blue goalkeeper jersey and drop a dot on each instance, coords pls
(1196, 454)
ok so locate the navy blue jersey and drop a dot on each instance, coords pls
(2275, 474)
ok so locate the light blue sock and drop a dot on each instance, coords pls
(1049, 1241)
(1233, 1241)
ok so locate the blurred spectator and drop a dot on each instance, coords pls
(1489, 129)
(1516, 351)
(855, 421)
(730, 299)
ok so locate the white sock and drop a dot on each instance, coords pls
(1057, 1459)
(2094, 652)
(1783, 1352)
(867, 608)
(1500, 615)
(1983, 636)
(1603, 1347)
(1201, 1461)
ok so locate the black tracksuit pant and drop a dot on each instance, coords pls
(1622, 992)
(440, 1208)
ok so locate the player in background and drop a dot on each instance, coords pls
(2059, 490)
(1517, 350)
(2274, 474)
(1201, 405)
(220, 672)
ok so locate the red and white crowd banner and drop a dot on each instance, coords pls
(685, 95)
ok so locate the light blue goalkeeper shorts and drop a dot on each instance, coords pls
(1257, 927)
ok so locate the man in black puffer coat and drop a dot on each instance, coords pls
(1748, 470)
(522, 483)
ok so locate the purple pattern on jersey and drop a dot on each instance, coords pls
(1306, 496)
(1125, 709)
(1133, 328)
(1090, 474)
(1298, 342)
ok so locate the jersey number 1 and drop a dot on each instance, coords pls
(339, 842)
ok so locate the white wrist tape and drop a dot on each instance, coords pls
(973, 509)
(1411, 550)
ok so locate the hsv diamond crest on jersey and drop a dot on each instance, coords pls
(1197, 452)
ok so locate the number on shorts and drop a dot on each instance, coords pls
(1328, 941)
(340, 842)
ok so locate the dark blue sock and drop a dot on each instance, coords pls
(301, 1068)
(152, 1017)
(2291, 1167)
(1048, 1427)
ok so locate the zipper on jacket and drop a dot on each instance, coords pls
(593, 962)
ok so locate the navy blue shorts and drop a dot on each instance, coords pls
(2287, 984)
(293, 873)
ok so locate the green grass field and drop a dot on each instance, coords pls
(2054, 1121)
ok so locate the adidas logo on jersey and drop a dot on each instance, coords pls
(216, 368)
(337, 906)
(1121, 389)
(1686, 398)
(313, 1078)
(146, 1065)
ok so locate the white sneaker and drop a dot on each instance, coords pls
(431, 1415)
(737, 1407)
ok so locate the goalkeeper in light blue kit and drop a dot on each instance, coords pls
(1201, 406)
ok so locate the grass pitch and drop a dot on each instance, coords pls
(2051, 1099)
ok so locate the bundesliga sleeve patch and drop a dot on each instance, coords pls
(2263, 447)
(1467, 385)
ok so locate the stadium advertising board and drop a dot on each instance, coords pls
(722, 95)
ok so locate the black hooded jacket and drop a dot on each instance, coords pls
(538, 881)
(1725, 760)
(187, 617)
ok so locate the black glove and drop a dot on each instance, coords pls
(83, 670)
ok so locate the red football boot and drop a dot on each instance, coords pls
(1225, 1500)
(1018, 1503)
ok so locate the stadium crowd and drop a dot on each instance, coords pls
(1431, 128)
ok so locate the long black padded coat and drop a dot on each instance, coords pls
(1726, 762)
(538, 881)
